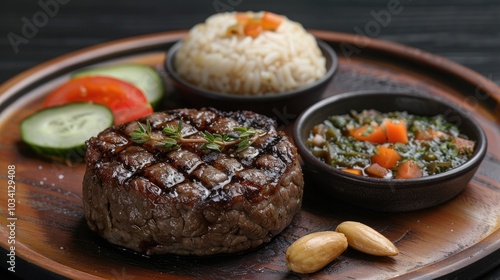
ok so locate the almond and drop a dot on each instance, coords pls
(314, 251)
(365, 239)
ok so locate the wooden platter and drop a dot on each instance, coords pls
(449, 240)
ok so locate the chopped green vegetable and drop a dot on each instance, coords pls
(348, 142)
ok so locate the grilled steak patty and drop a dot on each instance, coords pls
(189, 200)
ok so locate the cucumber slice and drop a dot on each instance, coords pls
(61, 131)
(144, 77)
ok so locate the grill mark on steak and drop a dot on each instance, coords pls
(189, 196)
(187, 159)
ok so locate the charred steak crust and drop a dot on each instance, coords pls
(191, 201)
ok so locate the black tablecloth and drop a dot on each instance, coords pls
(465, 31)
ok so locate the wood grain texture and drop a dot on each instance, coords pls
(434, 242)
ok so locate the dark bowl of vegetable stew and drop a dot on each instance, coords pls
(389, 151)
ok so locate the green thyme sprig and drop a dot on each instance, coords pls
(141, 134)
(174, 134)
(241, 139)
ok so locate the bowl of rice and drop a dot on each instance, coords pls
(253, 61)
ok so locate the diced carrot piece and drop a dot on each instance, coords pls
(423, 135)
(396, 131)
(242, 18)
(374, 134)
(428, 134)
(375, 170)
(271, 21)
(253, 29)
(386, 157)
(353, 171)
(408, 169)
(464, 145)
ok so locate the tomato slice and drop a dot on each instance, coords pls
(126, 101)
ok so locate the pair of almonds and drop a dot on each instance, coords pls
(314, 251)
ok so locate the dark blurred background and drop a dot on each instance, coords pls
(465, 31)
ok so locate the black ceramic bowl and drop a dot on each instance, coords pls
(292, 102)
(388, 195)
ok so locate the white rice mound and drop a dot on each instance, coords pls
(273, 62)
